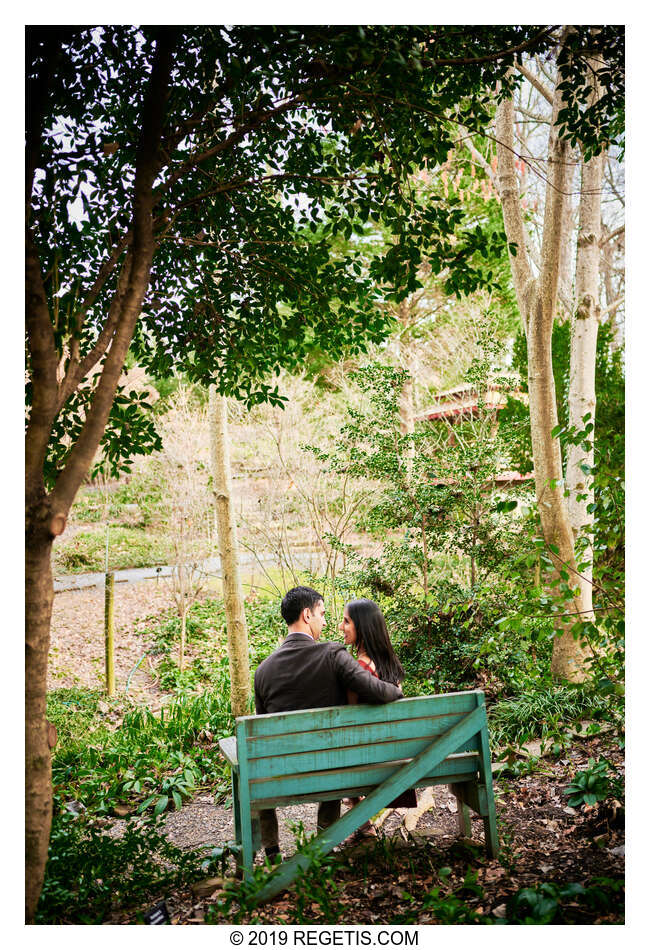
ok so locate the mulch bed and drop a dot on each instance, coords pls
(393, 880)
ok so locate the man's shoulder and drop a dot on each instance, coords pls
(332, 646)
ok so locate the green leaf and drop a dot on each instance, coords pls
(161, 805)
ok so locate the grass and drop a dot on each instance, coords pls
(142, 489)
(85, 552)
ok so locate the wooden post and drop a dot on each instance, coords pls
(109, 644)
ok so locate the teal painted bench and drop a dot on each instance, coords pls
(344, 751)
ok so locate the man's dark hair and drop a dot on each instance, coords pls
(295, 601)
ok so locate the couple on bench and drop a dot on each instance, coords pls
(307, 673)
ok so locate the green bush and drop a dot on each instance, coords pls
(598, 781)
(149, 757)
(90, 872)
(550, 903)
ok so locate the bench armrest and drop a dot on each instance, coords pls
(229, 749)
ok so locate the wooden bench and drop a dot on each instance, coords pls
(373, 751)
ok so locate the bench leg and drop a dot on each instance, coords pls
(239, 862)
(491, 835)
(247, 844)
(464, 820)
(489, 819)
(243, 831)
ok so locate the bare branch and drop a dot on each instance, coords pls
(536, 82)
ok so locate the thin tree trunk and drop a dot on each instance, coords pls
(582, 373)
(565, 293)
(425, 559)
(613, 298)
(406, 414)
(537, 299)
(181, 649)
(233, 596)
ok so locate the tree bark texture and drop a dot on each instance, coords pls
(236, 629)
(537, 299)
(582, 372)
(45, 515)
(39, 595)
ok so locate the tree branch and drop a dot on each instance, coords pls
(147, 167)
(535, 82)
(467, 61)
(78, 369)
(42, 353)
(614, 234)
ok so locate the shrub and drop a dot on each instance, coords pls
(540, 710)
(90, 872)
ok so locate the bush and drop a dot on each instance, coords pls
(598, 781)
(90, 872)
(149, 757)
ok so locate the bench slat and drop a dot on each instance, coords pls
(355, 790)
(329, 717)
(351, 735)
(359, 755)
(309, 782)
(229, 748)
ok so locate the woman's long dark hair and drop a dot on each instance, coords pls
(373, 639)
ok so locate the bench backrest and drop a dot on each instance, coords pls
(317, 754)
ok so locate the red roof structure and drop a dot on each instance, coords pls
(463, 401)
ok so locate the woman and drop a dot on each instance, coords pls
(364, 629)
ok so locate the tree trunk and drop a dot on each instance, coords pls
(227, 534)
(406, 414)
(582, 373)
(566, 253)
(613, 298)
(537, 298)
(39, 595)
(181, 648)
(46, 515)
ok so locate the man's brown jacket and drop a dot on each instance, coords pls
(307, 674)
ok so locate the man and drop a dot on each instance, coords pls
(304, 673)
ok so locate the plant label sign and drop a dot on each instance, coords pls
(157, 915)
